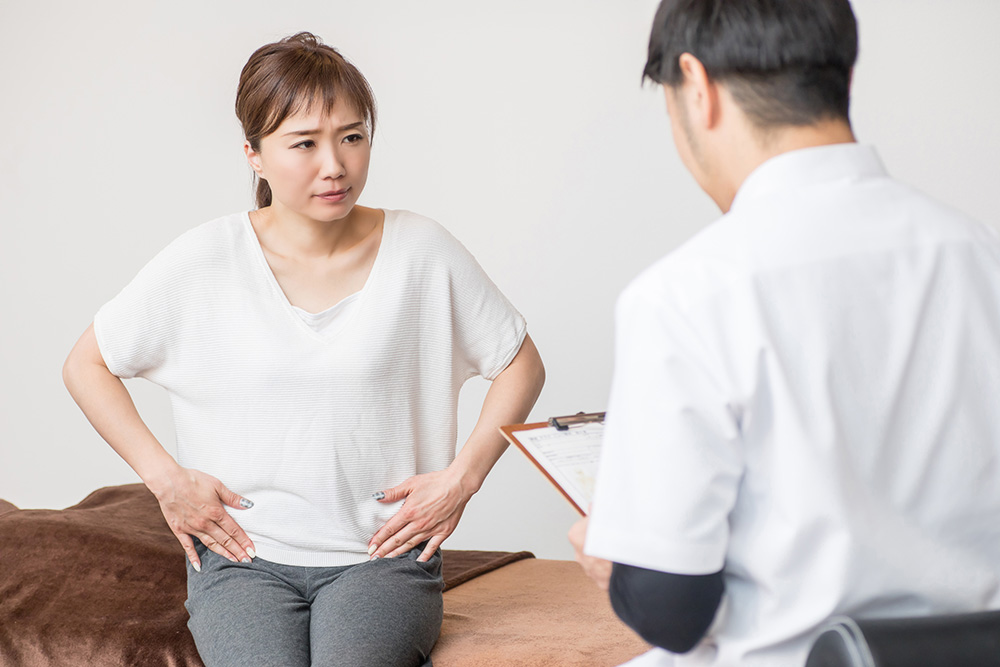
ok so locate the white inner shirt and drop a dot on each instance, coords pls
(330, 321)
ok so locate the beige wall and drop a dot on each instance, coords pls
(523, 129)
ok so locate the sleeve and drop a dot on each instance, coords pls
(137, 327)
(671, 460)
(672, 611)
(487, 329)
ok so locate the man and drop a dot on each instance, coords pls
(804, 414)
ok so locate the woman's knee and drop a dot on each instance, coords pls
(240, 615)
(383, 613)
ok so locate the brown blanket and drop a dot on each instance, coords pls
(103, 583)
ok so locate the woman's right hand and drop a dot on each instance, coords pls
(193, 503)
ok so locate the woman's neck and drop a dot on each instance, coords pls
(286, 233)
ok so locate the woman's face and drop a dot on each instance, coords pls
(315, 163)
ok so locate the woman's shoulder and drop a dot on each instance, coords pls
(411, 222)
(419, 229)
(208, 243)
(220, 231)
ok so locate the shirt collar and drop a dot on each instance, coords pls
(810, 166)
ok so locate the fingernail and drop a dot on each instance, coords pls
(379, 495)
(374, 558)
(196, 566)
(372, 549)
(246, 504)
(245, 560)
(251, 553)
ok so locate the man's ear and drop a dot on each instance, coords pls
(701, 92)
(253, 158)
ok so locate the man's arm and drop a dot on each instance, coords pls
(672, 611)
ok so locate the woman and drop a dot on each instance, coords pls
(313, 351)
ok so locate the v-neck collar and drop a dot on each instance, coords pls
(282, 299)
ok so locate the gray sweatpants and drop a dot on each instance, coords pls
(381, 613)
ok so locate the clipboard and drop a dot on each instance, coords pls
(566, 450)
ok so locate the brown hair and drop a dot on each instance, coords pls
(288, 76)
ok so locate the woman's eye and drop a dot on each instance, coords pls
(354, 138)
(309, 143)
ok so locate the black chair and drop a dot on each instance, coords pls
(965, 640)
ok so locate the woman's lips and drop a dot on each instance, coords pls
(333, 195)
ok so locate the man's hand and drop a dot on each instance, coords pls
(597, 569)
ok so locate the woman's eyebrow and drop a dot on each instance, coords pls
(317, 130)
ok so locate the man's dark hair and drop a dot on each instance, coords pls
(786, 62)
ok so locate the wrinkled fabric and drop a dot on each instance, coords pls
(103, 584)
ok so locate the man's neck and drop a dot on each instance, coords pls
(788, 139)
(761, 146)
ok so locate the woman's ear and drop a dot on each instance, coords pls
(253, 158)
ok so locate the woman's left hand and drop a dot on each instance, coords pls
(433, 504)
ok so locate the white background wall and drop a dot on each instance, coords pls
(521, 127)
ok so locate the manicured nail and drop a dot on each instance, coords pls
(196, 566)
(246, 504)
(244, 560)
(372, 549)
(379, 495)
(374, 558)
(251, 553)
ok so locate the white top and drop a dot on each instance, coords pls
(330, 321)
(307, 425)
(806, 394)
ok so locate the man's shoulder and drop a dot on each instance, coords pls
(939, 219)
(714, 256)
(700, 271)
(796, 228)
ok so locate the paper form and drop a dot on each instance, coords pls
(569, 458)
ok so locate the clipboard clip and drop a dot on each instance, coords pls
(563, 423)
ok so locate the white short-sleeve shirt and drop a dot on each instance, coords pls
(807, 396)
(309, 422)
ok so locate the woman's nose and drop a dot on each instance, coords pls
(333, 166)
